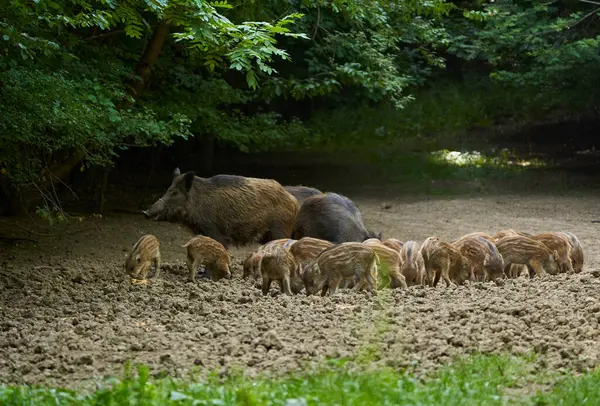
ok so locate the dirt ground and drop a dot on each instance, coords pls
(68, 316)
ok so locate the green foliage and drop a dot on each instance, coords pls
(71, 114)
(539, 45)
(473, 380)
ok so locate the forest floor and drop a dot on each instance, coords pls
(69, 317)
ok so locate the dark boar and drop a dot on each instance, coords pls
(301, 193)
(331, 217)
(231, 209)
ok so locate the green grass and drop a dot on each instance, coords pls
(476, 380)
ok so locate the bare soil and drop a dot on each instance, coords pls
(68, 315)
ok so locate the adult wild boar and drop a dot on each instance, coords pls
(331, 217)
(301, 193)
(234, 210)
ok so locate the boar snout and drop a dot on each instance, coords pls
(153, 212)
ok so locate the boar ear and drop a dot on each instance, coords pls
(188, 179)
(555, 255)
(138, 258)
(486, 260)
(176, 172)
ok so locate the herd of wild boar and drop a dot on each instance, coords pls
(317, 241)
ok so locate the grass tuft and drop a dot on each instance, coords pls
(476, 380)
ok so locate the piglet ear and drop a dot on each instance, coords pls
(188, 179)
(176, 172)
(380, 235)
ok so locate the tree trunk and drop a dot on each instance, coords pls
(150, 56)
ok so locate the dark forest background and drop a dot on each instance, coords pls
(97, 92)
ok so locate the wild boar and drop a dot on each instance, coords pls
(509, 232)
(412, 266)
(442, 260)
(145, 252)
(301, 193)
(521, 250)
(483, 255)
(252, 262)
(354, 261)
(393, 243)
(231, 209)
(476, 234)
(204, 251)
(577, 256)
(559, 244)
(308, 249)
(278, 264)
(388, 270)
(331, 217)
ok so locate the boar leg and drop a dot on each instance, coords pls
(144, 271)
(325, 289)
(333, 286)
(266, 284)
(568, 265)
(157, 266)
(285, 286)
(437, 274)
(537, 267)
(447, 279)
(191, 264)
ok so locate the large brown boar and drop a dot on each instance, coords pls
(331, 217)
(204, 251)
(301, 193)
(483, 255)
(559, 244)
(231, 209)
(144, 253)
(308, 249)
(252, 263)
(347, 261)
(278, 264)
(520, 250)
(442, 260)
(388, 270)
(412, 265)
(577, 256)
